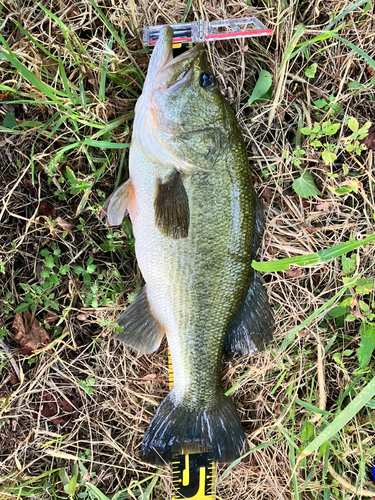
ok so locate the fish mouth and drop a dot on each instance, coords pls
(175, 72)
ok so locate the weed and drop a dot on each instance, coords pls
(87, 385)
(50, 278)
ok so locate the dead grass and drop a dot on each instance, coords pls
(104, 429)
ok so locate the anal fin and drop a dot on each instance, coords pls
(252, 328)
(119, 203)
(142, 330)
(171, 205)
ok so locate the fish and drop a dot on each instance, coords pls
(197, 224)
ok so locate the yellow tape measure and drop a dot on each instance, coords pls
(194, 474)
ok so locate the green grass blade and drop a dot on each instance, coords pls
(313, 258)
(35, 42)
(292, 45)
(257, 448)
(285, 433)
(359, 51)
(66, 84)
(58, 124)
(30, 124)
(342, 419)
(312, 408)
(150, 487)
(10, 130)
(82, 92)
(290, 337)
(292, 460)
(112, 125)
(116, 37)
(106, 144)
(347, 11)
(237, 384)
(7, 89)
(322, 36)
(33, 79)
(187, 10)
(103, 74)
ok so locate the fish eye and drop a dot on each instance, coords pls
(206, 80)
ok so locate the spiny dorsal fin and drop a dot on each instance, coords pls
(172, 215)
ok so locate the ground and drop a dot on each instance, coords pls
(74, 411)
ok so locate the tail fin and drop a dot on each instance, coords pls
(177, 429)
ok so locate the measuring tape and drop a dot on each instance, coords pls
(193, 475)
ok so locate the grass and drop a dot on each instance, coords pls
(73, 414)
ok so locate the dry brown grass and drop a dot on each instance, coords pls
(105, 428)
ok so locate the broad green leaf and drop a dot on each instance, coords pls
(353, 85)
(348, 265)
(306, 131)
(320, 103)
(70, 175)
(342, 419)
(9, 121)
(308, 432)
(64, 269)
(332, 128)
(353, 124)
(328, 157)
(22, 307)
(70, 488)
(261, 87)
(49, 262)
(30, 124)
(91, 268)
(365, 286)
(64, 476)
(340, 191)
(311, 70)
(337, 311)
(305, 186)
(6, 88)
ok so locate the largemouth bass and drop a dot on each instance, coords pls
(197, 225)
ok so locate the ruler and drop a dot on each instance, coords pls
(193, 475)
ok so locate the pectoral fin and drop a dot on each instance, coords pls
(251, 329)
(171, 205)
(119, 203)
(142, 330)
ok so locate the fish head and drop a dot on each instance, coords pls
(185, 116)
